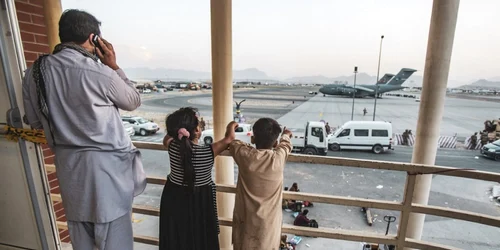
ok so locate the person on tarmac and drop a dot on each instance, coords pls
(473, 141)
(328, 128)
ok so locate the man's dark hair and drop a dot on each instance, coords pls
(76, 26)
(266, 131)
(305, 212)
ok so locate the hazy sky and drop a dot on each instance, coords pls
(297, 38)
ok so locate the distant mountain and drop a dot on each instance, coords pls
(256, 74)
(361, 78)
(251, 73)
(310, 79)
(495, 79)
(483, 84)
(417, 81)
(181, 74)
(414, 81)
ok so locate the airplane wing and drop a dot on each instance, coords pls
(364, 89)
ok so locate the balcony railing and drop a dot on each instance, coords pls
(405, 207)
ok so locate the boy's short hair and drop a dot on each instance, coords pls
(266, 132)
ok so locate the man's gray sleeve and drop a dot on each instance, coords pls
(123, 93)
(30, 101)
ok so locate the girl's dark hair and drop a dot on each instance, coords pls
(184, 118)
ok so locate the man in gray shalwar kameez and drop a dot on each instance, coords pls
(75, 99)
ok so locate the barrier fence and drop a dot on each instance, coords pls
(443, 141)
(405, 207)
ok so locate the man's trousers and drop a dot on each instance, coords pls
(114, 235)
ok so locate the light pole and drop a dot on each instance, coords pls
(378, 71)
(354, 92)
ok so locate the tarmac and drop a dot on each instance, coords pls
(460, 117)
(293, 107)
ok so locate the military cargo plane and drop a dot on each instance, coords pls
(387, 83)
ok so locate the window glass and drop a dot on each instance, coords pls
(317, 132)
(361, 132)
(380, 133)
(345, 132)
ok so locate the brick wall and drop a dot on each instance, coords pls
(30, 15)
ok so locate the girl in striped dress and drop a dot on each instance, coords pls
(188, 209)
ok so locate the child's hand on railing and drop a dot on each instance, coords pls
(287, 132)
(230, 131)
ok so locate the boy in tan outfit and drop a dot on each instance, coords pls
(257, 215)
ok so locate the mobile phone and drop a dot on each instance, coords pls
(95, 41)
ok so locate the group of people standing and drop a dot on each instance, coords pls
(406, 137)
(76, 99)
(483, 139)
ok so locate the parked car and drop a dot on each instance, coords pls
(129, 128)
(146, 91)
(243, 133)
(491, 150)
(141, 125)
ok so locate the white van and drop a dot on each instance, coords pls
(362, 135)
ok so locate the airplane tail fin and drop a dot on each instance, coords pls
(385, 78)
(401, 77)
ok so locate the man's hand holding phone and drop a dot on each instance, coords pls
(107, 55)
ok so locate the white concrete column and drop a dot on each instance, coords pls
(222, 98)
(53, 11)
(437, 66)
